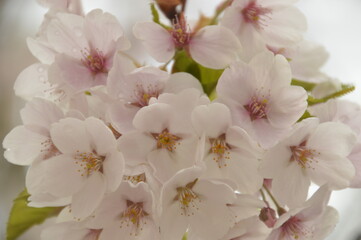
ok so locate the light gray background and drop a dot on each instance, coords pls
(334, 23)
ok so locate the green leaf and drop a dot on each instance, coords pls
(345, 90)
(209, 78)
(22, 217)
(206, 76)
(308, 86)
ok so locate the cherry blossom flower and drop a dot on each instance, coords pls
(348, 113)
(262, 23)
(189, 202)
(128, 213)
(164, 137)
(230, 152)
(89, 164)
(134, 91)
(312, 220)
(31, 142)
(260, 97)
(202, 45)
(313, 152)
(71, 231)
(86, 47)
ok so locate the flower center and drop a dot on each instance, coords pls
(187, 199)
(293, 228)
(221, 150)
(142, 94)
(257, 109)
(180, 32)
(166, 140)
(94, 61)
(303, 155)
(135, 178)
(255, 14)
(89, 163)
(133, 214)
(49, 149)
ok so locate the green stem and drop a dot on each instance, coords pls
(218, 12)
(280, 210)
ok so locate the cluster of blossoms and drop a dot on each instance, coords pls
(141, 152)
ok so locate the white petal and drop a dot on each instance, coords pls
(63, 33)
(32, 82)
(23, 146)
(113, 167)
(287, 107)
(214, 47)
(172, 224)
(41, 50)
(157, 41)
(177, 82)
(121, 116)
(40, 112)
(101, 29)
(69, 135)
(102, 137)
(294, 193)
(89, 197)
(333, 169)
(213, 120)
(136, 146)
(154, 118)
(331, 137)
(62, 176)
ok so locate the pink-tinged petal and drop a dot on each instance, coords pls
(214, 47)
(113, 168)
(135, 146)
(101, 29)
(282, 33)
(121, 116)
(266, 135)
(76, 74)
(232, 19)
(287, 107)
(65, 34)
(154, 118)
(157, 40)
(333, 138)
(294, 193)
(40, 112)
(32, 82)
(89, 197)
(316, 205)
(177, 82)
(102, 137)
(70, 135)
(23, 146)
(41, 50)
(62, 176)
(235, 84)
(213, 120)
(333, 169)
(122, 65)
(327, 223)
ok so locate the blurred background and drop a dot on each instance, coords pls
(335, 24)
